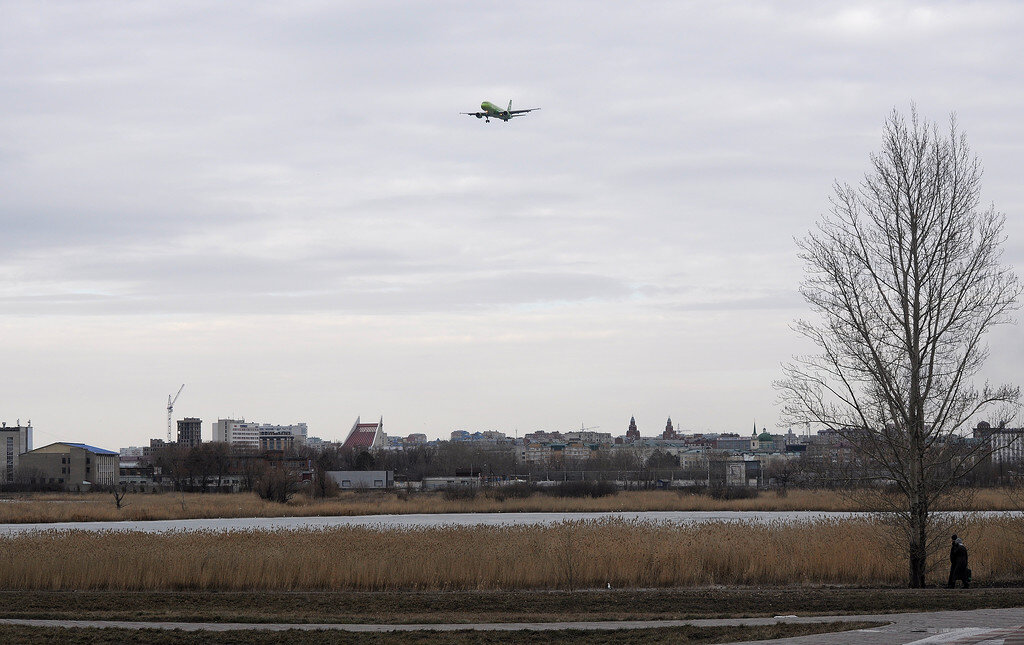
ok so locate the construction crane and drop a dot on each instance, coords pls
(170, 410)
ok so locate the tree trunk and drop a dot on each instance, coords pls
(919, 509)
(918, 544)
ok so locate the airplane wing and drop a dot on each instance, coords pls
(518, 112)
(476, 114)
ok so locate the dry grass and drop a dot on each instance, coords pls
(569, 555)
(491, 606)
(68, 507)
(688, 634)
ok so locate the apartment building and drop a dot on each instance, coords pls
(14, 441)
(262, 436)
(237, 432)
(190, 432)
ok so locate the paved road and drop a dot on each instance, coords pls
(980, 626)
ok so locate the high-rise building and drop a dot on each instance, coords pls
(14, 441)
(190, 431)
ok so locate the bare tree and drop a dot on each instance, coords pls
(171, 460)
(220, 457)
(277, 482)
(905, 276)
(322, 485)
(119, 491)
(200, 466)
(779, 473)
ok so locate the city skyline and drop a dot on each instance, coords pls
(281, 207)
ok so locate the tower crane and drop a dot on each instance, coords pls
(170, 410)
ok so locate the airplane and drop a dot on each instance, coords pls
(490, 110)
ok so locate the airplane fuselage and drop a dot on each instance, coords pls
(492, 110)
(489, 110)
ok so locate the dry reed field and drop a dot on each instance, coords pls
(571, 555)
(73, 507)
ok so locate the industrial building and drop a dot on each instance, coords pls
(362, 479)
(74, 466)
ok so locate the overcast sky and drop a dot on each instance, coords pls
(280, 206)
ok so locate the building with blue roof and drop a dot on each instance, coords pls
(93, 449)
(71, 466)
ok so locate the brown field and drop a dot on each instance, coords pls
(490, 606)
(652, 636)
(571, 555)
(74, 507)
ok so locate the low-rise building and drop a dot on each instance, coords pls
(590, 437)
(451, 481)
(415, 440)
(486, 437)
(734, 470)
(541, 436)
(733, 442)
(360, 479)
(74, 466)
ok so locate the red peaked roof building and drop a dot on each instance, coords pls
(365, 436)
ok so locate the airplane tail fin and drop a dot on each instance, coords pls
(509, 105)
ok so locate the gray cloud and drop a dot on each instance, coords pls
(202, 166)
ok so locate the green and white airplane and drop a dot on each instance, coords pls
(490, 110)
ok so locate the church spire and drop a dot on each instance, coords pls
(670, 432)
(633, 432)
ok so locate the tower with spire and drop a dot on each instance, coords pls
(670, 432)
(632, 434)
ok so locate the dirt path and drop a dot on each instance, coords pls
(991, 626)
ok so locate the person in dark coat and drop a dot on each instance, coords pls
(958, 564)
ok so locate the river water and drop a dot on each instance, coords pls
(439, 519)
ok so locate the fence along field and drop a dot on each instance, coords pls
(571, 555)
